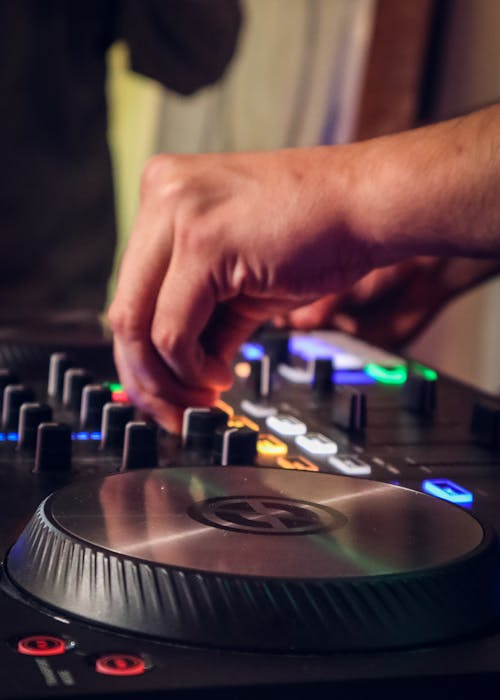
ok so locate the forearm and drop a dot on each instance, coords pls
(430, 191)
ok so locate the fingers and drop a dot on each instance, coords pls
(186, 302)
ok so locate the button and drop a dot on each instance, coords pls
(235, 446)
(485, 423)
(59, 363)
(53, 448)
(140, 446)
(270, 446)
(75, 379)
(7, 377)
(115, 417)
(419, 394)
(322, 371)
(30, 417)
(120, 665)
(448, 491)
(258, 410)
(13, 398)
(297, 463)
(349, 410)
(41, 645)
(316, 444)
(295, 375)
(94, 398)
(259, 381)
(199, 426)
(351, 465)
(242, 422)
(286, 425)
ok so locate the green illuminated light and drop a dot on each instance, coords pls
(114, 386)
(387, 375)
(424, 372)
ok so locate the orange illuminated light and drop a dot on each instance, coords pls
(270, 446)
(298, 463)
(242, 422)
(225, 407)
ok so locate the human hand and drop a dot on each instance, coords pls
(221, 244)
(390, 306)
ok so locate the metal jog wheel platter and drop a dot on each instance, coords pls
(259, 559)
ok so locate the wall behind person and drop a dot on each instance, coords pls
(465, 340)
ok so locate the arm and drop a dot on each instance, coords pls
(224, 242)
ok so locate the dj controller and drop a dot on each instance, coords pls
(331, 526)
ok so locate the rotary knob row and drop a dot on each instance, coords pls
(54, 443)
(206, 429)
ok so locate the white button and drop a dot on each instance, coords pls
(350, 464)
(296, 375)
(257, 410)
(316, 444)
(284, 424)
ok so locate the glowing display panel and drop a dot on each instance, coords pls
(448, 490)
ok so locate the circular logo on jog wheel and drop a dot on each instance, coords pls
(266, 515)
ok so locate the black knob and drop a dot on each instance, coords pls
(322, 383)
(14, 396)
(58, 364)
(349, 410)
(140, 448)
(419, 394)
(94, 398)
(75, 379)
(485, 423)
(199, 426)
(276, 346)
(30, 417)
(259, 380)
(115, 417)
(235, 446)
(7, 376)
(53, 448)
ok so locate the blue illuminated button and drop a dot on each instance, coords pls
(286, 425)
(448, 490)
(316, 444)
(351, 465)
(252, 351)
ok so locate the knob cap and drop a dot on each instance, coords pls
(233, 446)
(349, 410)
(115, 417)
(419, 394)
(30, 417)
(58, 364)
(140, 448)
(322, 376)
(7, 376)
(75, 379)
(259, 380)
(485, 423)
(53, 448)
(94, 398)
(13, 398)
(199, 426)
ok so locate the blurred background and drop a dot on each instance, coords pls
(330, 71)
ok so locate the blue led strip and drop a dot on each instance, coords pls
(352, 376)
(448, 491)
(81, 436)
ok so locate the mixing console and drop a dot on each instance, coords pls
(331, 524)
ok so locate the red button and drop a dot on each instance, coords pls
(41, 645)
(120, 665)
